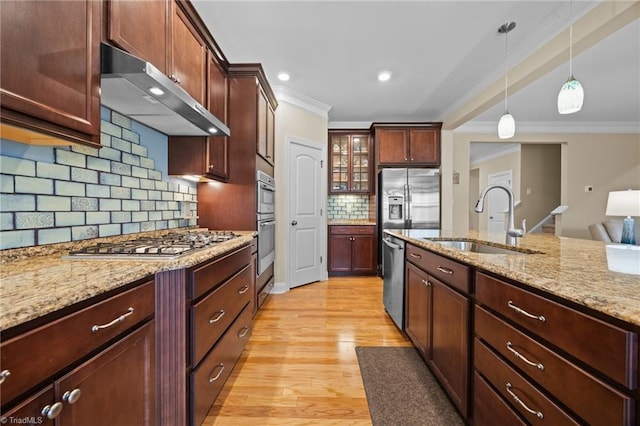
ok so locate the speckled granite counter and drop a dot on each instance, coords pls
(351, 222)
(573, 269)
(31, 287)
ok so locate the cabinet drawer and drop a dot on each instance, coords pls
(36, 407)
(446, 270)
(38, 354)
(554, 373)
(207, 380)
(212, 274)
(614, 350)
(213, 314)
(264, 293)
(488, 406)
(352, 230)
(532, 405)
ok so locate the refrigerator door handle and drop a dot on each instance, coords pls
(407, 212)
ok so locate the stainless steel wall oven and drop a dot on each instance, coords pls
(266, 223)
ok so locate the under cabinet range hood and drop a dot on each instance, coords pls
(139, 90)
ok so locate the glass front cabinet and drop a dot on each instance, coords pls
(350, 163)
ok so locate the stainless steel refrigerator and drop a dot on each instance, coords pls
(408, 199)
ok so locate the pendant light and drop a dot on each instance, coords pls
(571, 94)
(506, 125)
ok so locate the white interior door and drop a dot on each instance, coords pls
(305, 214)
(498, 202)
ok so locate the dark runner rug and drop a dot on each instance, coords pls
(401, 390)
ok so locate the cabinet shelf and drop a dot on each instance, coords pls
(350, 163)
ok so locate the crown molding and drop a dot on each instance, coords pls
(284, 94)
(509, 149)
(632, 127)
(350, 125)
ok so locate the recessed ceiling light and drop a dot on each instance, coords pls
(283, 76)
(156, 91)
(384, 75)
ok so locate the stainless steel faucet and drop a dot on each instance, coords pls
(512, 233)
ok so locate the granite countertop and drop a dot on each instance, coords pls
(35, 285)
(573, 269)
(351, 222)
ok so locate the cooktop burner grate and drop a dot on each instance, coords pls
(169, 246)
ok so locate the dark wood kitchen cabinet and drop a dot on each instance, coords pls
(141, 28)
(93, 366)
(438, 311)
(265, 119)
(352, 250)
(188, 55)
(350, 163)
(50, 79)
(415, 144)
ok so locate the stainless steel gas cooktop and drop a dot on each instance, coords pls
(170, 246)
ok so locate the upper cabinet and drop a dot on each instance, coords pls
(265, 120)
(49, 75)
(130, 24)
(350, 162)
(406, 145)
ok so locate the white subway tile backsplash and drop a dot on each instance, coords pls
(17, 166)
(50, 195)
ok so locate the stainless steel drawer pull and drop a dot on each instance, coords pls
(72, 397)
(243, 332)
(114, 322)
(217, 376)
(4, 375)
(427, 283)
(218, 317)
(522, 357)
(445, 270)
(538, 414)
(52, 411)
(416, 256)
(525, 313)
(243, 289)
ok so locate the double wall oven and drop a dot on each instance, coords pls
(266, 223)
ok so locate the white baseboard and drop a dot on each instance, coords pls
(279, 288)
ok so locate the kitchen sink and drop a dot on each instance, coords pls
(478, 247)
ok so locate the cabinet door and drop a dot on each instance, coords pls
(188, 56)
(116, 387)
(217, 147)
(140, 28)
(360, 176)
(392, 146)
(363, 257)
(262, 124)
(271, 154)
(40, 409)
(340, 253)
(418, 308)
(339, 163)
(50, 67)
(424, 146)
(450, 341)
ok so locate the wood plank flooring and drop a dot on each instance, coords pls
(300, 365)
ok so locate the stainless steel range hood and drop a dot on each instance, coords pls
(139, 90)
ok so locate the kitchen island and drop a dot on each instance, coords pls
(543, 330)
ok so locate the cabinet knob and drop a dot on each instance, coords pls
(4, 375)
(72, 397)
(52, 411)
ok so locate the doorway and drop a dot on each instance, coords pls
(498, 201)
(306, 198)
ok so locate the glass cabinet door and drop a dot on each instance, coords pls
(360, 163)
(339, 163)
(350, 163)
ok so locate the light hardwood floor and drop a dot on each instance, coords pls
(300, 365)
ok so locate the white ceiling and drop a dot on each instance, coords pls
(441, 53)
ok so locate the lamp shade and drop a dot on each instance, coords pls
(623, 203)
(571, 97)
(506, 126)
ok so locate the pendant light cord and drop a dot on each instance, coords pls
(570, 41)
(506, 69)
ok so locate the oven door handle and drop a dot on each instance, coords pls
(271, 222)
(267, 187)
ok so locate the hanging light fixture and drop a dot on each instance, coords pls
(506, 125)
(571, 94)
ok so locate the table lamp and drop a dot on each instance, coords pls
(625, 203)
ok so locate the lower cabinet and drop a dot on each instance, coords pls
(94, 366)
(352, 250)
(437, 319)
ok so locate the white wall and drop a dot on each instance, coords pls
(291, 121)
(608, 162)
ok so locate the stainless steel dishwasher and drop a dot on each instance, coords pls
(393, 276)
